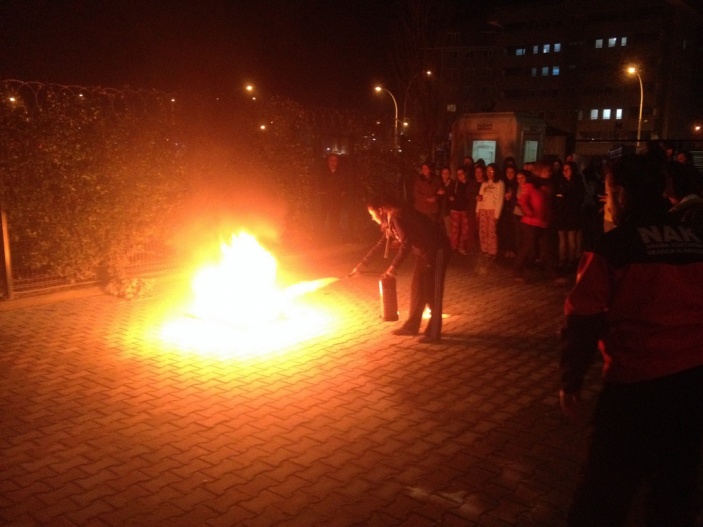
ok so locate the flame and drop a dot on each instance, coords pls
(241, 288)
(238, 310)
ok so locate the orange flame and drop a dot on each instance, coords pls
(239, 311)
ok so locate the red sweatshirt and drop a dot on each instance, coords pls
(536, 202)
(639, 298)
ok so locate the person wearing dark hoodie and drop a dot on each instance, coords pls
(638, 299)
(427, 240)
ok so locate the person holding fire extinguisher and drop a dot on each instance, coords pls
(427, 240)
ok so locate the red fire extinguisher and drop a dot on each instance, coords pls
(389, 299)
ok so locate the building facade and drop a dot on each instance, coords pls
(566, 62)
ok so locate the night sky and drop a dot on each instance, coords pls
(309, 50)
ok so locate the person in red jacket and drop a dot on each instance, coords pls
(639, 299)
(536, 231)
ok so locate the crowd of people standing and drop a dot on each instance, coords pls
(539, 218)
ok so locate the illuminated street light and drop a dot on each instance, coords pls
(250, 90)
(379, 89)
(407, 90)
(634, 71)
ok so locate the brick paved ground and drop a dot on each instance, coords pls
(105, 423)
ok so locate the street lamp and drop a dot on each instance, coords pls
(379, 89)
(407, 90)
(634, 71)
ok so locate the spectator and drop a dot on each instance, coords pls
(669, 150)
(557, 167)
(488, 209)
(568, 216)
(684, 157)
(425, 190)
(443, 198)
(507, 234)
(473, 186)
(594, 185)
(522, 176)
(536, 202)
(459, 211)
(468, 166)
(332, 193)
(639, 299)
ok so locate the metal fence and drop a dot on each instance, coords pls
(20, 280)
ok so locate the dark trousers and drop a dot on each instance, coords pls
(647, 432)
(536, 238)
(472, 238)
(427, 289)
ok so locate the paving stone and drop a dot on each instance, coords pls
(105, 423)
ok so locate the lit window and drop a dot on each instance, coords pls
(557, 47)
(599, 43)
(520, 51)
(594, 115)
(555, 70)
(623, 41)
(535, 50)
(612, 42)
(534, 72)
(606, 113)
(618, 114)
(545, 71)
(546, 48)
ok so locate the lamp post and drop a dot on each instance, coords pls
(379, 89)
(634, 71)
(407, 91)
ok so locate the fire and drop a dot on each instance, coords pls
(238, 309)
(241, 288)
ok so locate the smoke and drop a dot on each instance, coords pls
(226, 197)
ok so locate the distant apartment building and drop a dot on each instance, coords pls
(566, 61)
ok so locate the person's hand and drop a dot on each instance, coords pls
(390, 273)
(570, 404)
(356, 271)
